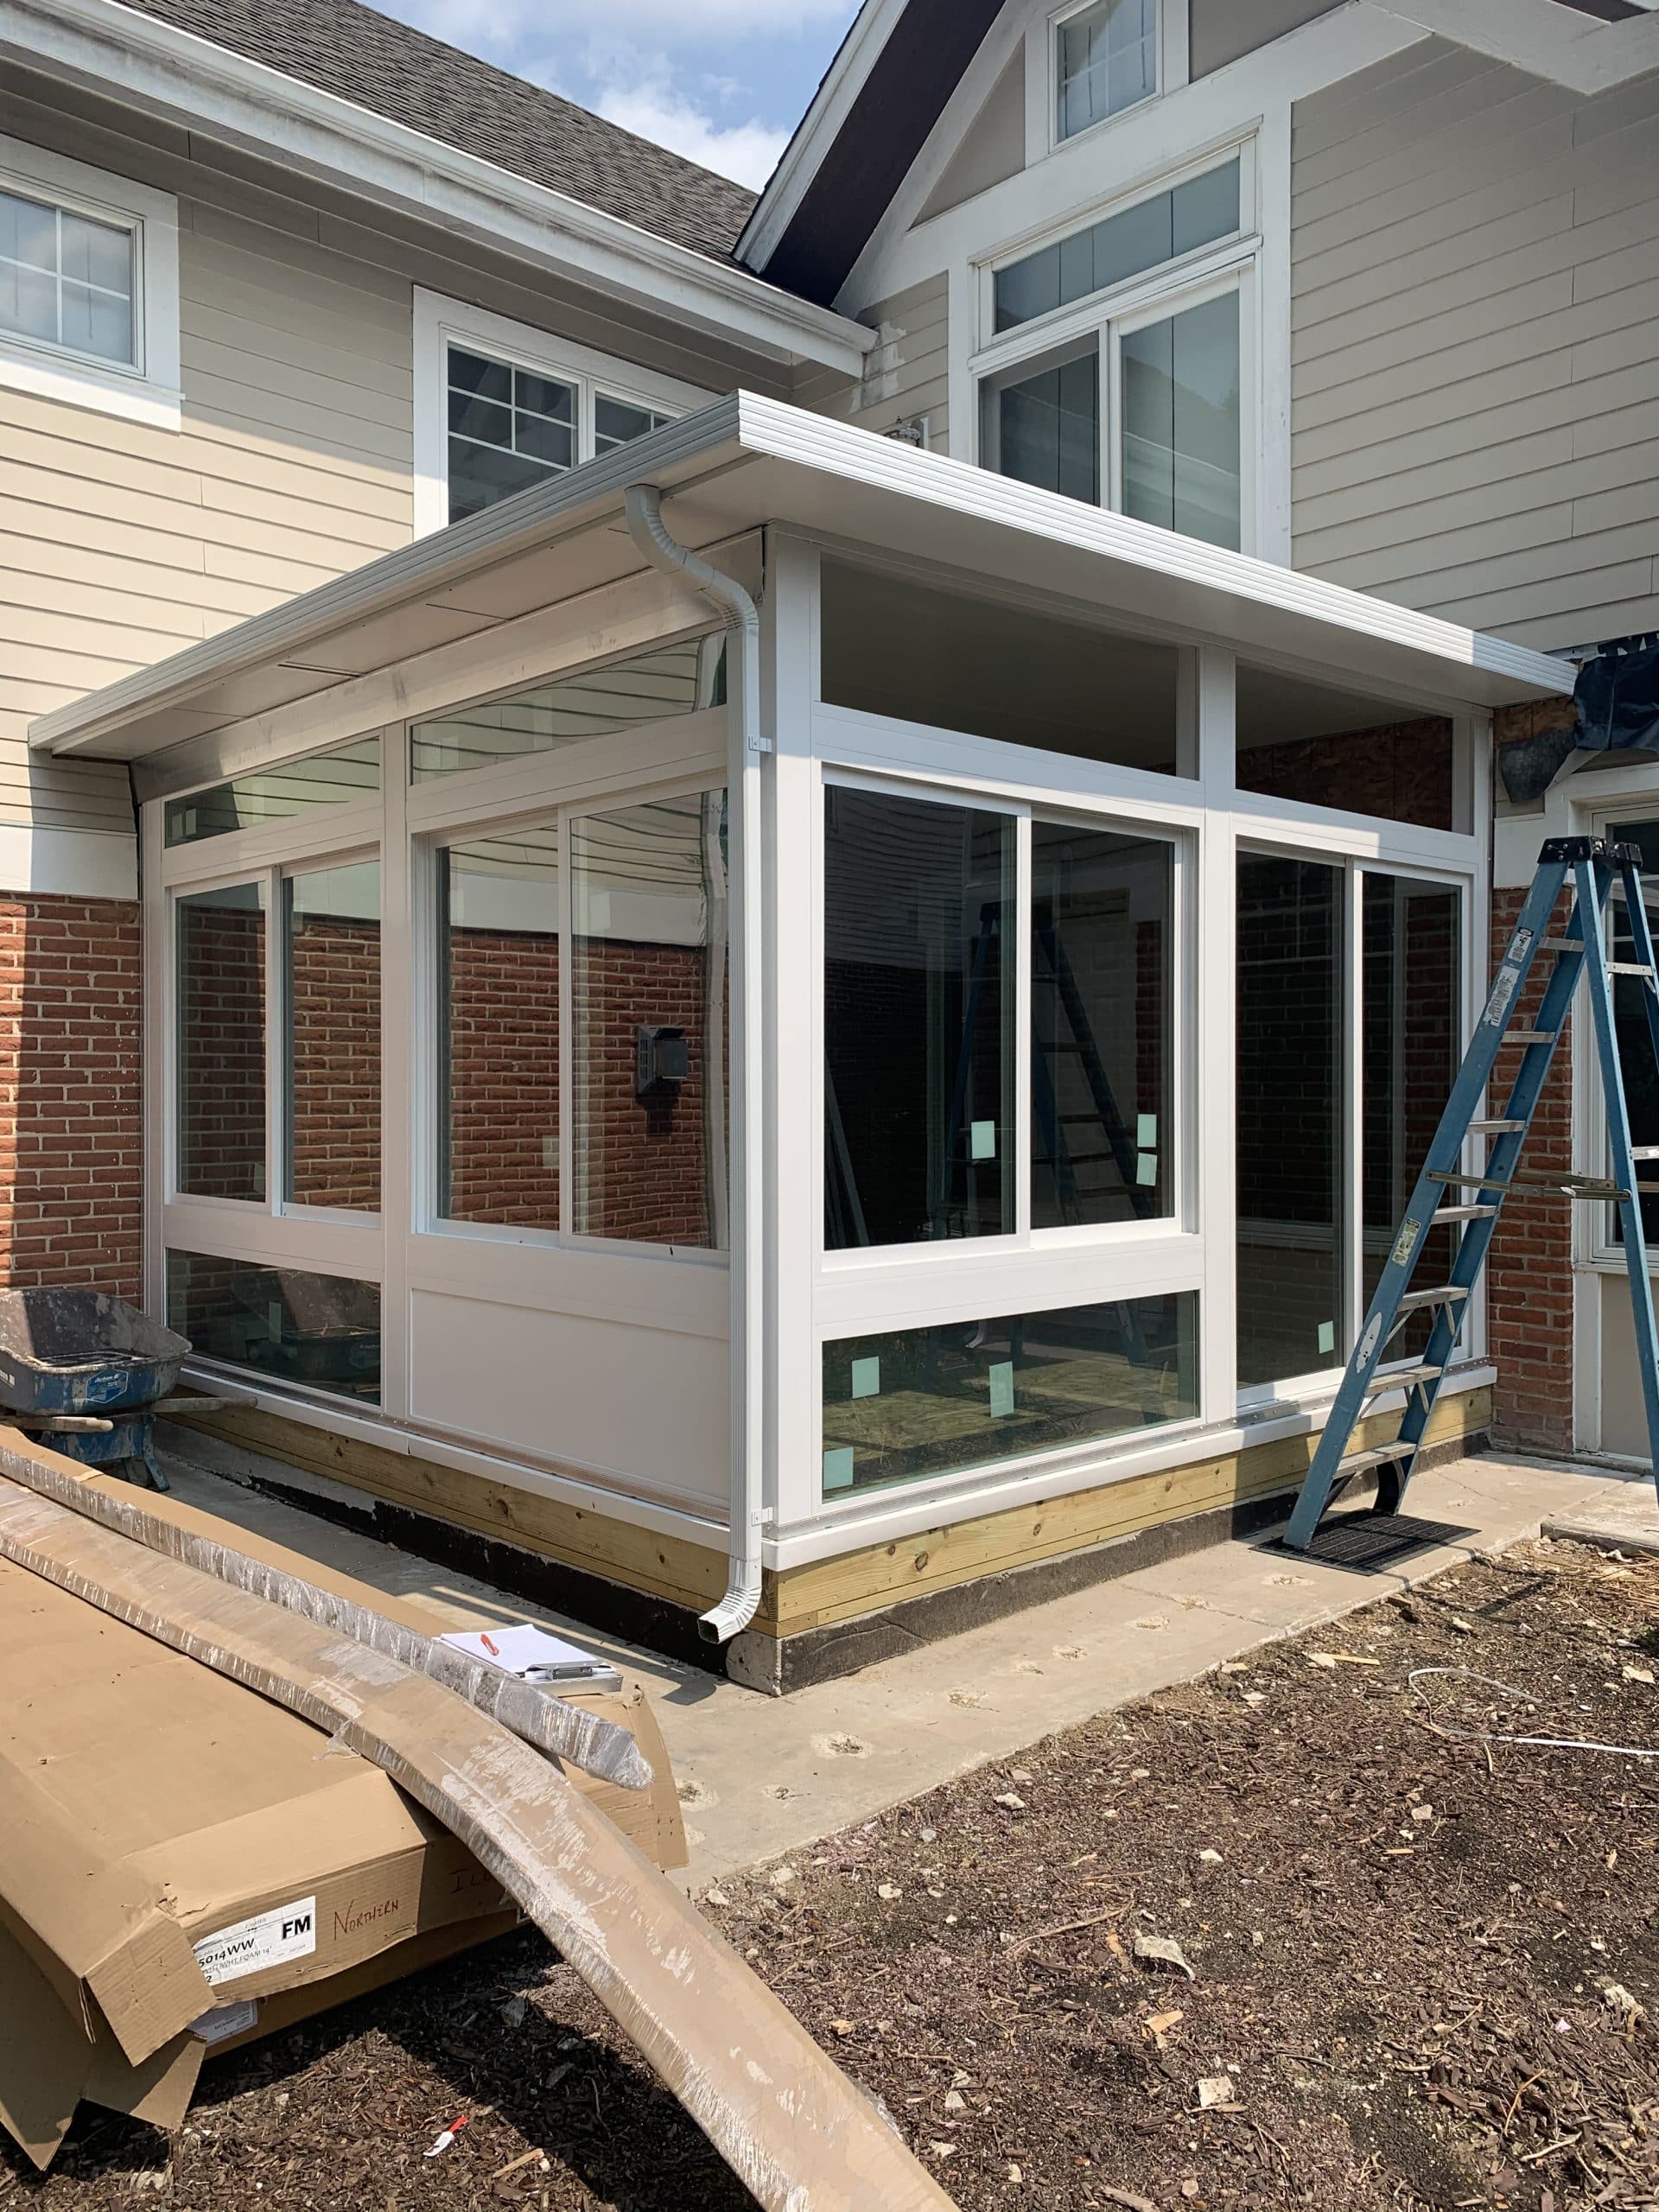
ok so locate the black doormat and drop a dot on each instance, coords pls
(1371, 1543)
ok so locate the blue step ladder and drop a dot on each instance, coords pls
(1596, 869)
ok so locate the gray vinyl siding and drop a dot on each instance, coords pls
(1476, 346)
(907, 373)
(1222, 30)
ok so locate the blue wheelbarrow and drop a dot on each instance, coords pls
(84, 1372)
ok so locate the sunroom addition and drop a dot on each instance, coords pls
(786, 1023)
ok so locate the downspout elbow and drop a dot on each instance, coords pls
(643, 508)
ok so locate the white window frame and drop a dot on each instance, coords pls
(1231, 266)
(146, 388)
(1043, 133)
(440, 322)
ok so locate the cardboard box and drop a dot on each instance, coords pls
(183, 1862)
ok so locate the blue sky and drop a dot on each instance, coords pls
(724, 81)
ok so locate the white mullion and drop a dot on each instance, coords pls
(276, 1033)
(1351, 1150)
(158, 1060)
(1110, 469)
(1023, 935)
(406, 954)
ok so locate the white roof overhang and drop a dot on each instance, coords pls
(747, 461)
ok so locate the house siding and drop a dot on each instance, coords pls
(907, 372)
(1476, 343)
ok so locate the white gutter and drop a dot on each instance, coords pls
(748, 1254)
(152, 65)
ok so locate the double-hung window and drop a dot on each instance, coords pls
(501, 407)
(1114, 367)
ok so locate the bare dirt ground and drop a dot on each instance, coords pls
(1424, 1973)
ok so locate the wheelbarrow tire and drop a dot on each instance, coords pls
(144, 1473)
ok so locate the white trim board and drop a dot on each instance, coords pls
(175, 73)
(37, 861)
(1541, 36)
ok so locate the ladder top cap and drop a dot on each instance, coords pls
(1569, 849)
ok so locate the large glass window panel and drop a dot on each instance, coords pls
(343, 772)
(624, 694)
(321, 1331)
(1181, 414)
(66, 279)
(1322, 745)
(220, 1042)
(332, 968)
(498, 900)
(1410, 968)
(919, 1021)
(927, 1401)
(1101, 1134)
(1044, 426)
(1154, 231)
(619, 422)
(890, 646)
(1108, 61)
(1289, 1118)
(648, 971)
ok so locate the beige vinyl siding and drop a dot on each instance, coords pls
(119, 542)
(1476, 346)
(906, 373)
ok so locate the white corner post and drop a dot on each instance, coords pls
(748, 1251)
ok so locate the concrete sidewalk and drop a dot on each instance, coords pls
(760, 1777)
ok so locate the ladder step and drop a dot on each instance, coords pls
(1378, 1455)
(1448, 1293)
(1644, 1152)
(1499, 1128)
(1401, 1379)
(1562, 944)
(1530, 1037)
(1444, 1214)
(1628, 967)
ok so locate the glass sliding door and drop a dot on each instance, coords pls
(1181, 415)
(220, 1042)
(1410, 967)
(919, 1021)
(1290, 1032)
(331, 962)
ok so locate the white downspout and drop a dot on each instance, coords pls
(748, 1511)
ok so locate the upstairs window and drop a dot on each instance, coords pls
(501, 407)
(65, 279)
(1106, 57)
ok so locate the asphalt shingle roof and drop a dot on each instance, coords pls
(360, 55)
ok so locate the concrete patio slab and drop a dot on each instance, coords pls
(762, 1777)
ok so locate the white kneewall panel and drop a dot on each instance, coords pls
(647, 1406)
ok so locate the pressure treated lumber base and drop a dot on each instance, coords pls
(790, 2124)
(816, 1623)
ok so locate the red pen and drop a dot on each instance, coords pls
(483, 1638)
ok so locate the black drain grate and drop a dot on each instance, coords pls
(1371, 1543)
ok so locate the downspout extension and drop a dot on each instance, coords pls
(738, 611)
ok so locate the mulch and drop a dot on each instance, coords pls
(1424, 1969)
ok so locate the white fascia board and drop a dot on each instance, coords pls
(818, 131)
(136, 58)
(1467, 665)
(1140, 142)
(1543, 37)
(1230, 598)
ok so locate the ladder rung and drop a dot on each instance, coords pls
(1375, 1455)
(1401, 1379)
(1628, 967)
(1447, 1294)
(1562, 944)
(1444, 1214)
(1530, 1037)
(1494, 1128)
(1644, 1152)
(1463, 1182)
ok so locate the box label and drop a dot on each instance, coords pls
(268, 1939)
(226, 2020)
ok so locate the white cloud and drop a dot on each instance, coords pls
(671, 22)
(748, 151)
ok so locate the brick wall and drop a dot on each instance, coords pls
(334, 1062)
(1530, 1273)
(70, 1109)
(503, 1077)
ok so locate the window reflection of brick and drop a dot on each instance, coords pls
(221, 1051)
(1403, 771)
(334, 1062)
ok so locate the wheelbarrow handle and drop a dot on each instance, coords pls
(69, 1424)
